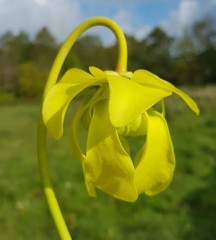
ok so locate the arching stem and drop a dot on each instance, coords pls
(121, 65)
(52, 79)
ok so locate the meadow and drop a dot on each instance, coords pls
(186, 210)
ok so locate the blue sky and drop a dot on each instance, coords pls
(137, 17)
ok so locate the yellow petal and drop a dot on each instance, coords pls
(97, 73)
(107, 165)
(155, 167)
(58, 98)
(147, 78)
(129, 99)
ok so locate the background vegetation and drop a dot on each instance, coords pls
(186, 210)
(189, 59)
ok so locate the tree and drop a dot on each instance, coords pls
(12, 47)
(136, 54)
(157, 53)
(90, 52)
(6, 39)
(196, 53)
(31, 80)
(203, 33)
(185, 64)
(44, 37)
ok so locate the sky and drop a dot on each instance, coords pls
(135, 17)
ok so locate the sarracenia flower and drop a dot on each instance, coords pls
(115, 105)
(118, 105)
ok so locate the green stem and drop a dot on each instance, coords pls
(67, 45)
(52, 79)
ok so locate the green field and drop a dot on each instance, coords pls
(186, 210)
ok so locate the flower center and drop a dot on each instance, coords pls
(136, 128)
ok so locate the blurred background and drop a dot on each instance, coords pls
(174, 39)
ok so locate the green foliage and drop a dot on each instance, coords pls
(6, 97)
(91, 52)
(186, 210)
(31, 79)
(44, 37)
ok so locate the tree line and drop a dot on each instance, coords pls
(189, 59)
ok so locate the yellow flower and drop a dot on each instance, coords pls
(118, 106)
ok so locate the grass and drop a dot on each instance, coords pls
(186, 210)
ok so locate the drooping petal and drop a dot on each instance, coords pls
(129, 99)
(147, 78)
(83, 115)
(107, 165)
(58, 98)
(154, 169)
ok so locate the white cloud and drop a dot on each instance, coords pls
(123, 19)
(141, 33)
(61, 16)
(41, 2)
(179, 19)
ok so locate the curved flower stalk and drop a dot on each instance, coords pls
(119, 104)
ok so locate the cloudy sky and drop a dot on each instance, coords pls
(136, 17)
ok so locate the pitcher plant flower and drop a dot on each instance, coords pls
(115, 105)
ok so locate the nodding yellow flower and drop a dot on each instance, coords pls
(121, 105)
(116, 104)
